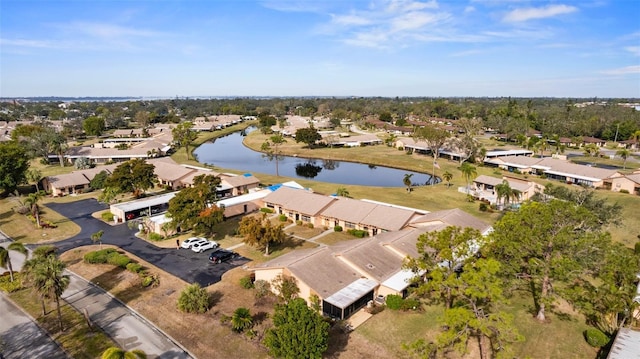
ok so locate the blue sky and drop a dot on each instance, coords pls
(320, 48)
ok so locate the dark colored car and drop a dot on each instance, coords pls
(222, 255)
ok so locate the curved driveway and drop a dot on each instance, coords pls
(185, 264)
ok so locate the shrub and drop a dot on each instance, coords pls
(194, 299)
(410, 304)
(337, 229)
(375, 309)
(483, 207)
(394, 301)
(298, 223)
(595, 337)
(155, 237)
(151, 280)
(310, 225)
(246, 282)
(266, 210)
(624, 191)
(241, 320)
(134, 267)
(7, 285)
(282, 218)
(107, 216)
(262, 287)
(118, 259)
(636, 248)
(358, 233)
(100, 256)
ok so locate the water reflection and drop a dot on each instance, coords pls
(308, 169)
(229, 152)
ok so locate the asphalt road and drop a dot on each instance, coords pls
(22, 337)
(183, 263)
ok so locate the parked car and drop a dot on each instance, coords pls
(222, 255)
(189, 242)
(203, 246)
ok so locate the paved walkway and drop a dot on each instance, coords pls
(124, 325)
(21, 337)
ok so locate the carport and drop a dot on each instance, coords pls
(127, 211)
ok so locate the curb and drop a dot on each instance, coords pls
(137, 314)
(34, 321)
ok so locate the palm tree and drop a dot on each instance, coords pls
(468, 171)
(241, 320)
(447, 176)
(5, 258)
(624, 154)
(483, 154)
(591, 150)
(34, 175)
(97, 237)
(407, 181)
(636, 137)
(504, 190)
(117, 353)
(32, 202)
(48, 279)
(343, 192)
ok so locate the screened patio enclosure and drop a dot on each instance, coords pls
(349, 299)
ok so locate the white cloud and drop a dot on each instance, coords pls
(404, 5)
(623, 70)
(107, 31)
(635, 50)
(41, 44)
(351, 20)
(525, 14)
(412, 21)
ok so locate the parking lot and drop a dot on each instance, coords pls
(183, 263)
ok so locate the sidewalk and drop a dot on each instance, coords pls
(124, 325)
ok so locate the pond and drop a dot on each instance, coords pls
(229, 152)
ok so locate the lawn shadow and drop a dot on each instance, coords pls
(338, 340)
(260, 317)
(109, 279)
(215, 297)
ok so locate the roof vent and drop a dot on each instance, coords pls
(370, 266)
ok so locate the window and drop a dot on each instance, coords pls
(305, 218)
(349, 225)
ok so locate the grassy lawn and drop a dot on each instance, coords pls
(203, 334)
(304, 232)
(335, 237)
(76, 338)
(21, 228)
(560, 337)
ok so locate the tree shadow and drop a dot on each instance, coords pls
(338, 340)
(260, 317)
(215, 297)
(107, 280)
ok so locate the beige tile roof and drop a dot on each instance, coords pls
(297, 200)
(189, 178)
(368, 214)
(170, 172)
(68, 180)
(634, 177)
(241, 180)
(328, 269)
(452, 217)
(521, 186)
